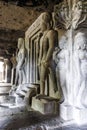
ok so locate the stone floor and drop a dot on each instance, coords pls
(30, 120)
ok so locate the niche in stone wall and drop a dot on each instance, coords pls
(31, 43)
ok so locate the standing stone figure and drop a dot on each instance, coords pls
(80, 66)
(48, 43)
(77, 13)
(20, 68)
(14, 63)
(61, 58)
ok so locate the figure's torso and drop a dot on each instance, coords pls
(46, 44)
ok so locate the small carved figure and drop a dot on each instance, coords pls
(13, 60)
(62, 15)
(20, 72)
(62, 70)
(48, 43)
(77, 14)
(80, 63)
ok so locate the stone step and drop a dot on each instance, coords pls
(24, 88)
(4, 98)
(4, 93)
(30, 85)
(5, 89)
(7, 109)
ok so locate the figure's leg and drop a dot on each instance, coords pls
(53, 75)
(58, 78)
(43, 74)
(17, 77)
(62, 85)
(20, 76)
(23, 76)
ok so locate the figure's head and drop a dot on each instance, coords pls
(63, 42)
(80, 41)
(46, 21)
(20, 43)
(79, 5)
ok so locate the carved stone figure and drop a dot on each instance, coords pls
(70, 17)
(62, 16)
(80, 62)
(62, 69)
(20, 70)
(77, 14)
(14, 63)
(13, 60)
(48, 43)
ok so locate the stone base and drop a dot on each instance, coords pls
(44, 106)
(19, 101)
(23, 89)
(7, 109)
(4, 92)
(66, 112)
(80, 116)
(3, 98)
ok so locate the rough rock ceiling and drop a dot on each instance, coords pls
(16, 18)
(14, 21)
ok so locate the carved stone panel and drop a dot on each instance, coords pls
(33, 51)
(71, 16)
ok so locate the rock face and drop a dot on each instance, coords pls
(14, 21)
(16, 18)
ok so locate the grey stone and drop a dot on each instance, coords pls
(44, 106)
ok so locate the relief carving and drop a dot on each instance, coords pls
(20, 68)
(72, 60)
(48, 42)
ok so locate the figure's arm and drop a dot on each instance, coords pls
(40, 53)
(55, 55)
(22, 59)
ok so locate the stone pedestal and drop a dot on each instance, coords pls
(4, 91)
(80, 116)
(44, 106)
(23, 89)
(72, 60)
(66, 112)
(19, 100)
(25, 92)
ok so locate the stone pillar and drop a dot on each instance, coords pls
(3, 72)
(7, 71)
(71, 18)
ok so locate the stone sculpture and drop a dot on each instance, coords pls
(62, 60)
(48, 43)
(14, 63)
(77, 13)
(80, 63)
(72, 60)
(20, 68)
